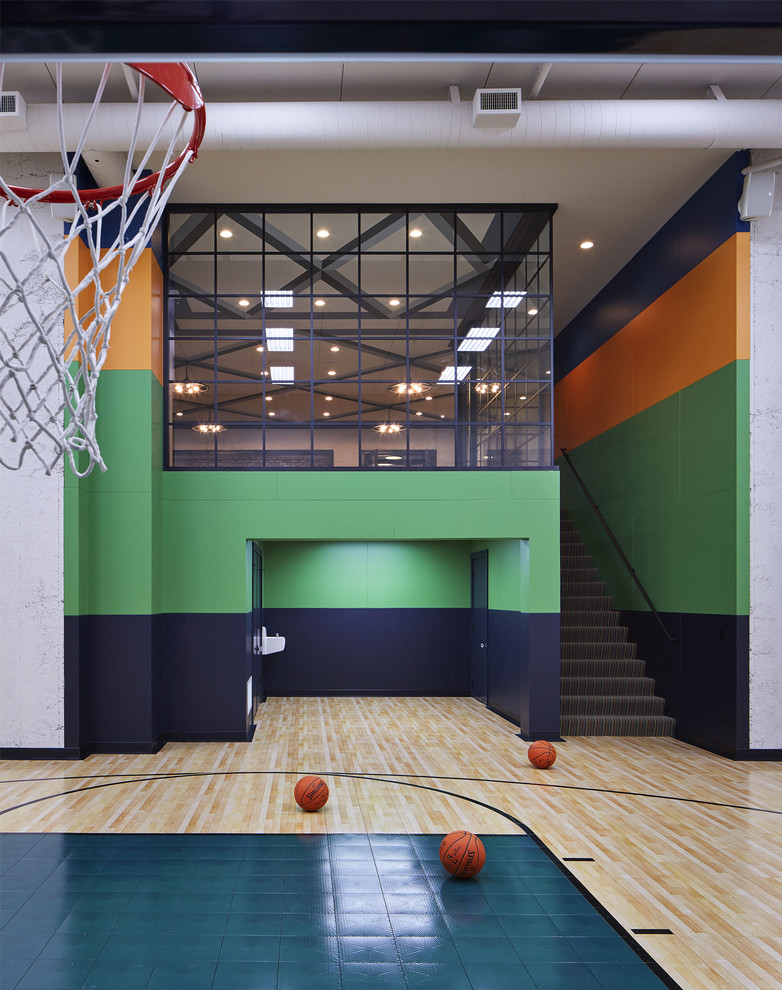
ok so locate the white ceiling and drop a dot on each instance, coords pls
(616, 198)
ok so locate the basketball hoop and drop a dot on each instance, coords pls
(54, 336)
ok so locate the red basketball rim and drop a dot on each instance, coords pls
(179, 82)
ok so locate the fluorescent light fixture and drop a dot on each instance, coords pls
(279, 338)
(455, 374)
(282, 299)
(478, 338)
(505, 300)
(282, 372)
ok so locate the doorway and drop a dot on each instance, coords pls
(257, 623)
(479, 624)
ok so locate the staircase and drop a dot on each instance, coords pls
(604, 691)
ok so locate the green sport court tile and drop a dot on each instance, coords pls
(311, 912)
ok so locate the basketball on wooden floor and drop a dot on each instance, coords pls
(542, 755)
(311, 792)
(462, 854)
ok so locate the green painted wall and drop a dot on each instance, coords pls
(673, 484)
(140, 540)
(208, 516)
(401, 574)
(509, 586)
(113, 530)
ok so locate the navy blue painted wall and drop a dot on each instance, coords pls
(369, 651)
(703, 676)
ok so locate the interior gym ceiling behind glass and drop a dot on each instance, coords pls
(393, 338)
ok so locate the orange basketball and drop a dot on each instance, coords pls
(542, 755)
(462, 854)
(311, 793)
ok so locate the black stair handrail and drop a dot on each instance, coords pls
(611, 536)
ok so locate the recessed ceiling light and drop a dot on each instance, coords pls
(320, 302)
(260, 350)
(279, 338)
(244, 302)
(522, 396)
(478, 338)
(326, 413)
(334, 349)
(507, 414)
(548, 372)
(329, 398)
(415, 232)
(332, 373)
(225, 232)
(586, 245)
(532, 312)
(442, 416)
(393, 302)
(278, 299)
(419, 414)
(429, 398)
(271, 413)
(269, 398)
(322, 232)
(455, 374)
(180, 414)
(504, 300)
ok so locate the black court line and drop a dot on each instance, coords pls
(651, 931)
(378, 775)
(626, 937)
(578, 859)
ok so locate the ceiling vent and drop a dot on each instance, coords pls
(496, 108)
(13, 112)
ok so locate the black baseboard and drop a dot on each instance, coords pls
(129, 748)
(40, 753)
(362, 693)
(544, 736)
(197, 737)
(739, 754)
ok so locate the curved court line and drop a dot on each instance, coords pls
(380, 777)
(226, 773)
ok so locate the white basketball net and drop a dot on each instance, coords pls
(54, 336)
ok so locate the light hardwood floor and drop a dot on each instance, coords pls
(681, 839)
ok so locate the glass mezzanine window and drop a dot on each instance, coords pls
(350, 338)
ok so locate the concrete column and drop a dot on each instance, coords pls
(765, 396)
(31, 543)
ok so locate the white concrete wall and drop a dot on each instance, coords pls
(765, 396)
(31, 553)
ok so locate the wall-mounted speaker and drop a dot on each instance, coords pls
(757, 197)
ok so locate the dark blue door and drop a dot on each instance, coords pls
(479, 624)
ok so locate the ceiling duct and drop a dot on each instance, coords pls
(703, 124)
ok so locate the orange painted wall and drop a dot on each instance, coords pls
(137, 327)
(699, 325)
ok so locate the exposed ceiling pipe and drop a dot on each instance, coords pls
(705, 124)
